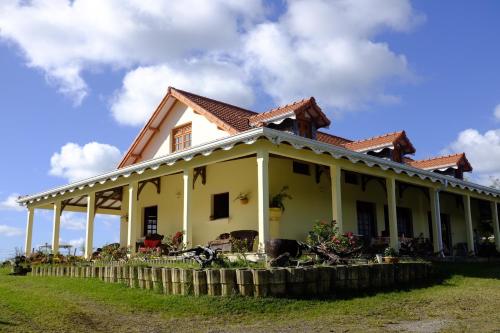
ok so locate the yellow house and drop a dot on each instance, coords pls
(196, 156)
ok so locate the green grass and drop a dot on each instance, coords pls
(467, 300)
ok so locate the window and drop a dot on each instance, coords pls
(181, 137)
(367, 222)
(405, 221)
(351, 178)
(301, 168)
(220, 206)
(150, 220)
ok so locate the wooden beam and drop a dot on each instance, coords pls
(200, 171)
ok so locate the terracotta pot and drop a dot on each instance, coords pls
(391, 260)
(277, 246)
(244, 201)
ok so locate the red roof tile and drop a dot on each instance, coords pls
(294, 107)
(232, 115)
(331, 139)
(381, 141)
(438, 162)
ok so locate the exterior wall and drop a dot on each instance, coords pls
(202, 131)
(310, 202)
(412, 198)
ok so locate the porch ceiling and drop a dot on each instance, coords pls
(249, 137)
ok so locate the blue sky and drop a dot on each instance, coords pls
(75, 73)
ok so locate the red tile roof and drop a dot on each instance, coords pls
(232, 115)
(331, 139)
(295, 107)
(381, 141)
(433, 163)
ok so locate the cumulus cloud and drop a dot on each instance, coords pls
(64, 37)
(8, 231)
(223, 48)
(144, 87)
(323, 48)
(482, 150)
(10, 203)
(75, 162)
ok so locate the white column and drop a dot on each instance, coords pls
(468, 224)
(89, 235)
(187, 228)
(336, 177)
(29, 231)
(132, 215)
(124, 220)
(436, 221)
(56, 226)
(263, 197)
(496, 226)
(392, 211)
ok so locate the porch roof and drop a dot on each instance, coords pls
(250, 137)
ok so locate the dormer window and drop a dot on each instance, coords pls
(181, 137)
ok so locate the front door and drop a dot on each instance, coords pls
(367, 222)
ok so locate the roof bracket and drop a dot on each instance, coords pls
(200, 171)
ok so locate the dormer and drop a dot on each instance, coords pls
(392, 146)
(451, 165)
(302, 118)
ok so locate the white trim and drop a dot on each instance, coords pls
(249, 137)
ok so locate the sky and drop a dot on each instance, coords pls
(79, 78)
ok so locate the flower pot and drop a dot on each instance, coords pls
(275, 214)
(391, 260)
(244, 201)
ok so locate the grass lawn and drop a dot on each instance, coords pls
(467, 300)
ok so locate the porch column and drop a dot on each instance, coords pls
(336, 178)
(187, 227)
(123, 220)
(392, 210)
(56, 226)
(132, 215)
(496, 226)
(436, 221)
(468, 224)
(89, 234)
(263, 197)
(29, 231)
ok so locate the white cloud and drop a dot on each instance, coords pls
(64, 37)
(9, 231)
(221, 48)
(496, 112)
(323, 48)
(73, 221)
(482, 150)
(144, 87)
(10, 203)
(75, 162)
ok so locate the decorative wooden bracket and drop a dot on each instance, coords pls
(155, 181)
(100, 198)
(200, 171)
(365, 179)
(403, 187)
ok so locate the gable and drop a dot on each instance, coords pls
(180, 114)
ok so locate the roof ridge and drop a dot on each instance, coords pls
(379, 136)
(213, 100)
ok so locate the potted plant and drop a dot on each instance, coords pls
(390, 255)
(243, 197)
(276, 204)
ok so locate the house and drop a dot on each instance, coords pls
(195, 156)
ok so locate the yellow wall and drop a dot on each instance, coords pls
(202, 131)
